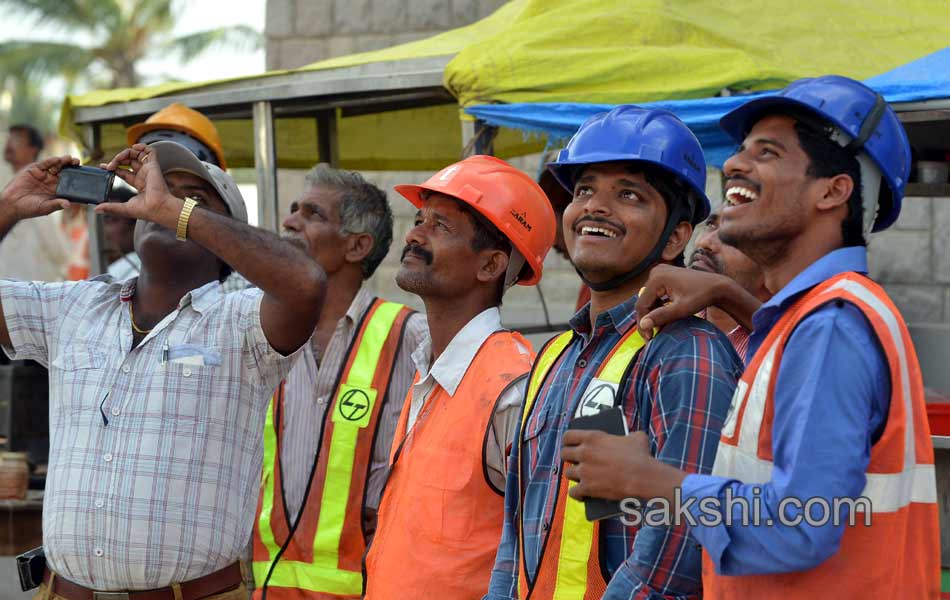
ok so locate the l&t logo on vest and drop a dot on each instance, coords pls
(354, 405)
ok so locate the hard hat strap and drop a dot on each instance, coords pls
(871, 179)
(516, 262)
(870, 123)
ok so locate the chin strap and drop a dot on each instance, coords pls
(651, 259)
(515, 264)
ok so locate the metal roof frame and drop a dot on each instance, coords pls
(361, 89)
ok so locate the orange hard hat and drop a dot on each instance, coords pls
(178, 117)
(507, 197)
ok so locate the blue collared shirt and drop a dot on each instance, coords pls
(831, 401)
(678, 391)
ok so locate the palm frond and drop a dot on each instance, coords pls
(89, 15)
(34, 61)
(153, 16)
(238, 37)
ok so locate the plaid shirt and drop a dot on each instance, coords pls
(679, 392)
(155, 452)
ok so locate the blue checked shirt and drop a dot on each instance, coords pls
(679, 392)
(155, 451)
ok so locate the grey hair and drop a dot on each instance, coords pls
(363, 209)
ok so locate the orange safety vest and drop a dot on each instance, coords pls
(319, 557)
(570, 567)
(440, 519)
(898, 555)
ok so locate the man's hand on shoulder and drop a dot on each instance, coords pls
(673, 293)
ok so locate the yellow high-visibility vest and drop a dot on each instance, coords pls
(575, 575)
(319, 556)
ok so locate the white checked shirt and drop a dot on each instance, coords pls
(155, 452)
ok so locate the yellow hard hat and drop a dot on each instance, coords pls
(178, 117)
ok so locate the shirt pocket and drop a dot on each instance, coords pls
(538, 423)
(446, 502)
(78, 374)
(187, 384)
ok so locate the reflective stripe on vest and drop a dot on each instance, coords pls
(576, 543)
(354, 404)
(900, 484)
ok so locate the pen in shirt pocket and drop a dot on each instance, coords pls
(105, 420)
(165, 352)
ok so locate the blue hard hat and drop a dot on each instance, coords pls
(857, 110)
(631, 133)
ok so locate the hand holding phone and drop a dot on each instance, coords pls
(609, 421)
(32, 191)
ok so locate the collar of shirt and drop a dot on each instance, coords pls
(200, 298)
(452, 364)
(621, 317)
(359, 305)
(344, 327)
(842, 260)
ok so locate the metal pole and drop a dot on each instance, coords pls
(265, 163)
(97, 239)
(478, 137)
(329, 147)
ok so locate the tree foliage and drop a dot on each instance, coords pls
(103, 42)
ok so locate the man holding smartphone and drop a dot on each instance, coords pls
(638, 180)
(158, 385)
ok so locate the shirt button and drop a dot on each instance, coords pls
(98, 552)
(582, 363)
(544, 526)
(126, 368)
(107, 457)
(322, 400)
(100, 503)
(186, 372)
(557, 469)
(116, 411)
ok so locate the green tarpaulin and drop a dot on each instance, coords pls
(598, 51)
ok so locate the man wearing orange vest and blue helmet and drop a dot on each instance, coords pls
(638, 179)
(828, 421)
(481, 226)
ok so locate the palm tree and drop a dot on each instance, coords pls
(123, 32)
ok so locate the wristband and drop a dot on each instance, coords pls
(183, 217)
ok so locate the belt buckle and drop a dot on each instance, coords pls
(110, 596)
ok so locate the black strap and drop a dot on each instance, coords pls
(869, 125)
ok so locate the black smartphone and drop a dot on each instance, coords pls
(609, 421)
(88, 185)
(30, 567)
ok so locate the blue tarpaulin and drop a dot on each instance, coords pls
(923, 79)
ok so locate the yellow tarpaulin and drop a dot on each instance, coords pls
(599, 51)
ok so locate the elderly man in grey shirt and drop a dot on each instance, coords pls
(332, 422)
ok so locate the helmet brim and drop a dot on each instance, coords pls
(564, 173)
(135, 132)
